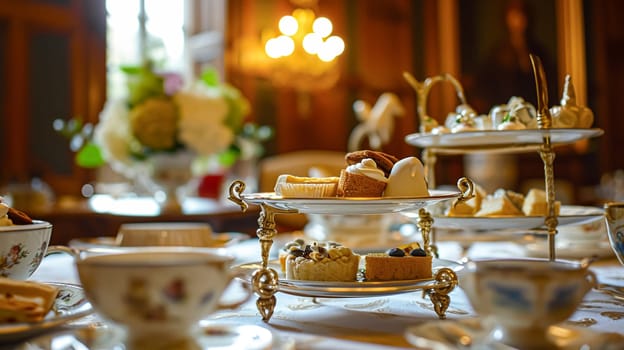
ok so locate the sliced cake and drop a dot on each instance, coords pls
(362, 179)
(402, 263)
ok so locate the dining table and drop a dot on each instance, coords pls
(398, 321)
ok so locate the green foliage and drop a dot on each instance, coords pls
(90, 156)
(143, 83)
(79, 135)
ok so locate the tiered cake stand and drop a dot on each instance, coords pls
(265, 280)
(541, 139)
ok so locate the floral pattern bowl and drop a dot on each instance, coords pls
(22, 247)
(158, 293)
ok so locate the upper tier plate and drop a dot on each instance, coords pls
(336, 205)
(497, 138)
(568, 215)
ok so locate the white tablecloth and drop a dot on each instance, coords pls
(380, 322)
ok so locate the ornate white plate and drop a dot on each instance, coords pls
(381, 205)
(347, 289)
(70, 304)
(568, 214)
(496, 138)
(470, 334)
(210, 335)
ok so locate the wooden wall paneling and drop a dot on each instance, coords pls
(55, 67)
(382, 51)
(14, 132)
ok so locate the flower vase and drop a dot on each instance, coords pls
(168, 173)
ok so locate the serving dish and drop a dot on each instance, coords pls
(496, 138)
(568, 215)
(70, 304)
(357, 289)
(471, 333)
(351, 205)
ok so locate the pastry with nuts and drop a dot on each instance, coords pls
(322, 262)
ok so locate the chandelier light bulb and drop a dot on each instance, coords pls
(288, 25)
(312, 43)
(336, 45)
(272, 48)
(286, 45)
(325, 53)
(322, 26)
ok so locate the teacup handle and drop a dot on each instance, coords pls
(248, 293)
(56, 249)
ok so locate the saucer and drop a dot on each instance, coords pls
(468, 333)
(69, 305)
(219, 240)
(539, 249)
(209, 336)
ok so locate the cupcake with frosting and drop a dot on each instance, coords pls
(362, 179)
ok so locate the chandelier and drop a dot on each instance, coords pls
(304, 53)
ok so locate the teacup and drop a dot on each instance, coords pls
(614, 218)
(519, 299)
(23, 247)
(183, 234)
(158, 294)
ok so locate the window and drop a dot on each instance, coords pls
(143, 29)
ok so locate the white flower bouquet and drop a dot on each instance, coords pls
(203, 118)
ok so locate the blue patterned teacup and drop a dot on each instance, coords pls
(614, 217)
(519, 299)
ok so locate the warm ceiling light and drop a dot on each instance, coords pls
(322, 26)
(288, 25)
(304, 50)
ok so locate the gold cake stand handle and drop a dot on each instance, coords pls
(264, 280)
(546, 152)
(425, 220)
(446, 280)
(466, 187)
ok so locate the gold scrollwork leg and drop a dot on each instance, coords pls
(264, 280)
(446, 280)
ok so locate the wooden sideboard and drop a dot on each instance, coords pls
(82, 220)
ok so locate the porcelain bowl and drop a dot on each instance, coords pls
(157, 293)
(22, 247)
(518, 299)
